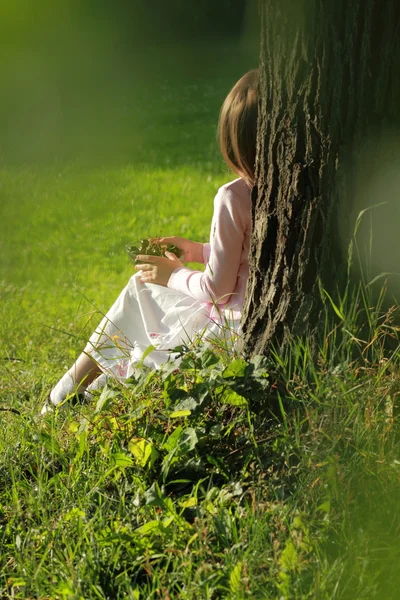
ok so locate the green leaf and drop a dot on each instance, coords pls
(188, 440)
(260, 366)
(50, 443)
(335, 308)
(325, 507)
(380, 276)
(16, 582)
(143, 451)
(187, 404)
(235, 579)
(179, 413)
(289, 558)
(153, 496)
(361, 214)
(148, 350)
(122, 460)
(170, 386)
(74, 513)
(138, 447)
(82, 447)
(105, 396)
(153, 526)
(167, 521)
(231, 397)
(138, 412)
(237, 368)
(196, 403)
(208, 358)
(73, 427)
(189, 503)
(172, 441)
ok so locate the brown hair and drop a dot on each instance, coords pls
(237, 128)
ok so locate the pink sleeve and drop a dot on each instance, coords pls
(218, 281)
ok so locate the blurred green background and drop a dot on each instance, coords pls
(108, 115)
(97, 80)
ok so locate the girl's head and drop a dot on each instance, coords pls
(238, 126)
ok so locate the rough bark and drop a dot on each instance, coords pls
(329, 75)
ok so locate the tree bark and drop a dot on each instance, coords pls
(329, 78)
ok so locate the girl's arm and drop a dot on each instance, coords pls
(217, 283)
(193, 251)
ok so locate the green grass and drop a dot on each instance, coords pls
(199, 483)
(289, 492)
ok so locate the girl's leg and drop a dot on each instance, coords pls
(79, 376)
(109, 345)
(85, 370)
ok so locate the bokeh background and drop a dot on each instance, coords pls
(83, 79)
(108, 116)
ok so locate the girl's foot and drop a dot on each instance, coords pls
(84, 371)
(65, 387)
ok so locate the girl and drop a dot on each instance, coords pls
(165, 303)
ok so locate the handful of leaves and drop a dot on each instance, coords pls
(151, 247)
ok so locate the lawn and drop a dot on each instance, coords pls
(198, 483)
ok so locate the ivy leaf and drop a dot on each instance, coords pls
(74, 513)
(189, 404)
(237, 368)
(168, 367)
(171, 391)
(231, 397)
(153, 526)
(208, 358)
(153, 495)
(259, 365)
(122, 460)
(143, 451)
(73, 427)
(188, 440)
(198, 401)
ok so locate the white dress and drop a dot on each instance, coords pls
(147, 316)
(148, 321)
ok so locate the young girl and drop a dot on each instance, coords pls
(166, 304)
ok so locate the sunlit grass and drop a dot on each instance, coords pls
(200, 483)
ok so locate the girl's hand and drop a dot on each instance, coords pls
(193, 251)
(157, 269)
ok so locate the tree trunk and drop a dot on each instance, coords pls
(329, 79)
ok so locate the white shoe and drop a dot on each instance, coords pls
(64, 388)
